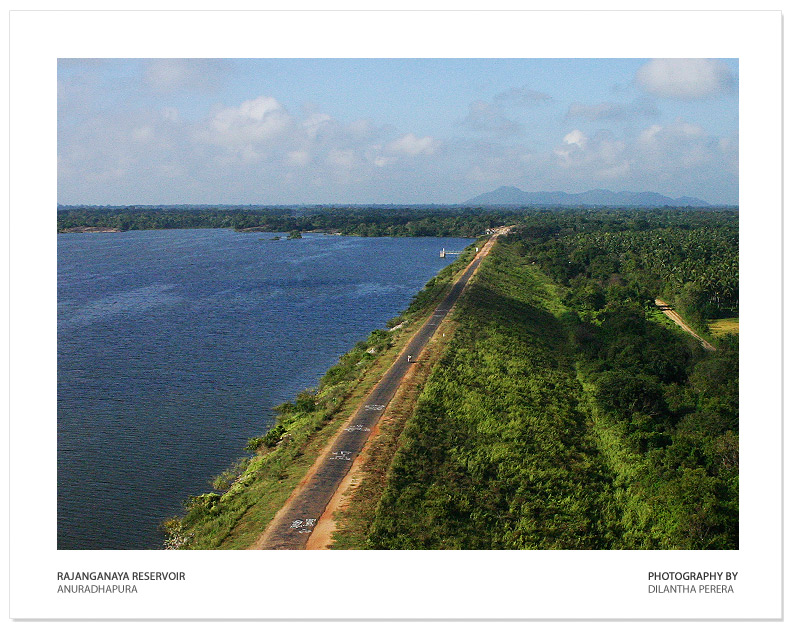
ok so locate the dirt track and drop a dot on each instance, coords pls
(673, 315)
(296, 520)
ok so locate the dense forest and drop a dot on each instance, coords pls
(567, 413)
(691, 260)
(363, 221)
(381, 221)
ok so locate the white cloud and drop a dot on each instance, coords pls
(601, 157)
(361, 129)
(680, 145)
(381, 161)
(673, 133)
(254, 121)
(314, 124)
(686, 129)
(237, 151)
(647, 136)
(576, 137)
(411, 145)
(686, 79)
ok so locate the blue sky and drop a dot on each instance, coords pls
(323, 131)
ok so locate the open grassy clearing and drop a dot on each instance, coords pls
(723, 326)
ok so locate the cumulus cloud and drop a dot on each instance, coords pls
(261, 131)
(601, 157)
(252, 122)
(314, 124)
(675, 158)
(576, 137)
(686, 79)
(676, 132)
(682, 145)
(648, 135)
(411, 145)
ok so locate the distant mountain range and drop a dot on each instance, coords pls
(511, 196)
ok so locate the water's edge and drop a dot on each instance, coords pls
(183, 449)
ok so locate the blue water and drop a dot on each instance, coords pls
(174, 346)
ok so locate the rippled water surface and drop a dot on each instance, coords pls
(175, 345)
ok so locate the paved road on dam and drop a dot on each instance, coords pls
(294, 523)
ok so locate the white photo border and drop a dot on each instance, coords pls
(390, 584)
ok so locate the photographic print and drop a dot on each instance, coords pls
(491, 321)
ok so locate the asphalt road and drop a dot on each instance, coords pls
(294, 524)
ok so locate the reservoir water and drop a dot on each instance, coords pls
(175, 345)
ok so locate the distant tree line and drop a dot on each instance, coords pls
(376, 221)
(342, 220)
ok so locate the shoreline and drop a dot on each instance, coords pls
(89, 229)
(303, 428)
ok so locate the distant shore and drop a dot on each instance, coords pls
(87, 229)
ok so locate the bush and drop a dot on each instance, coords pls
(223, 481)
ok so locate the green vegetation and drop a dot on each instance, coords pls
(382, 221)
(385, 220)
(688, 258)
(497, 454)
(564, 413)
(354, 521)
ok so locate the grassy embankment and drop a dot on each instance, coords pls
(354, 517)
(538, 429)
(252, 490)
(497, 454)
